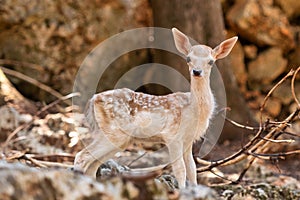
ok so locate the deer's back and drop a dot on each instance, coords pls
(137, 114)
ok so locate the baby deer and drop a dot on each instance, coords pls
(118, 117)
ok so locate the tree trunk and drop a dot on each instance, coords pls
(9, 95)
(202, 20)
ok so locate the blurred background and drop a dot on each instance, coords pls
(43, 43)
(48, 40)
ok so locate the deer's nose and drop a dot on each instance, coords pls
(197, 72)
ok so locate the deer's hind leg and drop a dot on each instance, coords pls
(92, 156)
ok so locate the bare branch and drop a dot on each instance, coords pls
(293, 87)
(22, 64)
(278, 141)
(278, 155)
(241, 126)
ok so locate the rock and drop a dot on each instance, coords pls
(284, 94)
(290, 7)
(268, 66)
(273, 107)
(60, 122)
(21, 182)
(264, 116)
(294, 58)
(238, 64)
(293, 107)
(250, 51)
(10, 119)
(261, 23)
(56, 133)
(295, 127)
(110, 168)
(198, 192)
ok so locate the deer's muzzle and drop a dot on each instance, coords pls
(197, 72)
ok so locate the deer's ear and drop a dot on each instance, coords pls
(223, 49)
(182, 42)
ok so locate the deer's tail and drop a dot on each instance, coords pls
(90, 115)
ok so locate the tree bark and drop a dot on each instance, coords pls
(202, 20)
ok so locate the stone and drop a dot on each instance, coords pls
(284, 94)
(19, 181)
(261, 23)
(294, 58)
(22, 182)
(295, 127)
(10, 120)
(56, 133)
(267, 66)
(250, 51)
(199, 192)
(293, 107)
(290, 7)
(273, 107)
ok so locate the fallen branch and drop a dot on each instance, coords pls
(22, 64)
(45, 164)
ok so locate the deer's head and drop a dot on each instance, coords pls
(200, 58)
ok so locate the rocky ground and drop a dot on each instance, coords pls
(37, 164)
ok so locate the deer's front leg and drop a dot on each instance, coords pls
(190, 165)
(178, 166)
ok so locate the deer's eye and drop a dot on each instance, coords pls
(211, 62)
(188, 59)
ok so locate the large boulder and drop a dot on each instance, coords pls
(267, 66)
(261, 23)
(58, 35)
(22, 182)
(290, 7)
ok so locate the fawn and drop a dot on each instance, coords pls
(118, 117)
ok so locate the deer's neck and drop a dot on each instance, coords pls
(201, 94)
(202, 105)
